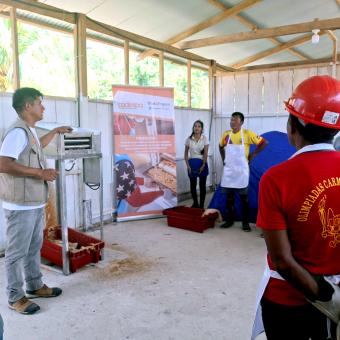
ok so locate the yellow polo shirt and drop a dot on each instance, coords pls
(249, 137)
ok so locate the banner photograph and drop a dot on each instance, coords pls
(144, 151)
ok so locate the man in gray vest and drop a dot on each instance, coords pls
(23, 190)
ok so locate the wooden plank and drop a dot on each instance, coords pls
(270, 92)
(253, 26)
(214, 20)
(328, 24)
(122, 34)
(325, 71)
(335, 45)
(286, 65)
(161, 69)
(227, 94)
(80, 55)
(15, 49)
(218, 92)
(42, 9)
(126, 62)
(285, 88)
(241, 93)
(189, 83)
(255, 93)
(299, 76)
(273, 50)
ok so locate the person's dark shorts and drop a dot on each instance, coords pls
(242, 191)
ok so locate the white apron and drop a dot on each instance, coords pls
(236, 168)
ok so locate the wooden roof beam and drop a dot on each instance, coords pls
(4, 8)
(227, 13)
(328, 24)
(253, 26)
(132, 37)
(286, 65)
(276, 49)
(42, 9)
(335, 45)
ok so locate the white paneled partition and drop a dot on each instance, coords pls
(259, 96)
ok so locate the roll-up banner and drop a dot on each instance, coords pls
(144, 154)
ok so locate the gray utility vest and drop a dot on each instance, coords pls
(25, 190)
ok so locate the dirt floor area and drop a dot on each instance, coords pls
(155, 283)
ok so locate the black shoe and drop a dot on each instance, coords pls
(246, 227)
(194, 206)
(227, 224)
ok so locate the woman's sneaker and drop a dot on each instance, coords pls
(24, 306)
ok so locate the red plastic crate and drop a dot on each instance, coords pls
(189, 218)
(77, 258)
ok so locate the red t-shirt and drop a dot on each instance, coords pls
(302, 196)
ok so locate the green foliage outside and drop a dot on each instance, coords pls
(46, 62)
(144, 72)
(6, 66)
(199, 88)
(105, 67)
(176, 76)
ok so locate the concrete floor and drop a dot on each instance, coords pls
(155, 283)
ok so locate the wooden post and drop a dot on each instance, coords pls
(15, 53)
(126, 62)
(212, 86)
(80, 55)
(189, 83)
(161, 69)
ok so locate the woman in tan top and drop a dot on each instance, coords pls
(196, 155)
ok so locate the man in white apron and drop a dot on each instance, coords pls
(299, 213)
(234, 149)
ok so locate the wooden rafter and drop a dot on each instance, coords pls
(122, 34)
(284, 65)
(43, 9)
(335, 45)
(227, 13)
(252, 25)
(329, 24)
(4, 8)
(276, 49)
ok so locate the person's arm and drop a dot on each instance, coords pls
(10, 166)
(222, 153)
(46, 139)
(186, 157)
(259, 147)
(281, 256)
(205, 157)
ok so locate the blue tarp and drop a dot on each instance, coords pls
(277, 151)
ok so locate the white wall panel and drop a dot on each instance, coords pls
(255, 93)
(241, 93)
(270, 92)
(228, 95)
(285, 88)
(218, 108)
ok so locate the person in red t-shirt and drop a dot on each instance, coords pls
(299, 214)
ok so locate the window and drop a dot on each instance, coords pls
(46, 60)
(175, 76)
(6, 64)
(105, 67)
(143, 72)
(199, 88)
